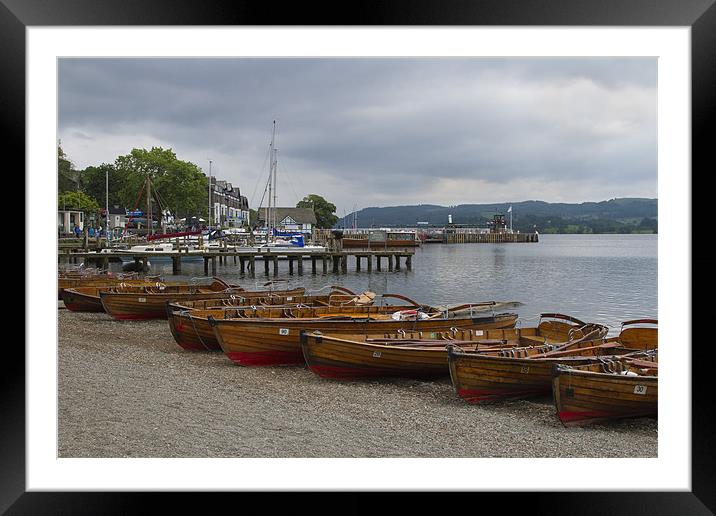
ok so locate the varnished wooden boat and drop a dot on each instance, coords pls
(99, 280)
(424, 354)
(150, 303)
(189, 324)
(624, 387)
(482, 378)
(87, 299)
(190, 327)
(82, 299)
(276, 341)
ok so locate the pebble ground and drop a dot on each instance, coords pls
(126, 389)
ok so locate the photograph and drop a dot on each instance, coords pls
(357, 257)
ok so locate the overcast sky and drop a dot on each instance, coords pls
(379, 131)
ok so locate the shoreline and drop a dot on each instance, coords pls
(126, 389)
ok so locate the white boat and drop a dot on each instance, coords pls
(149, 248)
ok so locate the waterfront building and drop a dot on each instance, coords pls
(68, 219)
(229, 207)
(290, 219)
(117, 217)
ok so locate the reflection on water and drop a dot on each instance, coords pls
(600, 278)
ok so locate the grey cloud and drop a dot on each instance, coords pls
(381, 127)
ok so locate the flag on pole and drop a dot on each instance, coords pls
(509, 210)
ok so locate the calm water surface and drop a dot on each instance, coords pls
(600, 278)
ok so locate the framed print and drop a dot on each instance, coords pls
(98, 81)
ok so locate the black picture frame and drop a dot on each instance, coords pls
(699, 15)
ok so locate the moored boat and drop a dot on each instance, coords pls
(276, 341)
(484, 378)
(614, 388)
(75, 280)
(150, 303)
(87, 299)
(190, 327)
(424, 354)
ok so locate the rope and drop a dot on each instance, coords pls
(197, 333)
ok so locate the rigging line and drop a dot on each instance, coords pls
(285, 170)
(258, 209)
(258, 177)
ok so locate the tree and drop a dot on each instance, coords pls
(253, 217)
(77, 201)
(94, 183)
(324, 210)
(67, 180)
(180, 185)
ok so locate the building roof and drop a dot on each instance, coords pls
(299, 215)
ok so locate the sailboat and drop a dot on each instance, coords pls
(285, 241)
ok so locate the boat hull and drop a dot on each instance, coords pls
(63, 283)
(192, 333)
(338, 359)
(364, 243)
(483, 379)
(583, 397)
(85, 300)
(277, 342)
(151, 305)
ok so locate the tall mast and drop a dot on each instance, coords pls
(106, 226)
(150, 226)
(275, 166)
(271, 213)
(210, 195)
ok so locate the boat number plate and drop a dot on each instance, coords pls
(142, 299)
(283, 331)
(640, 389)
(524, 369)
(479, 333)
(289, 298)
(376, 354)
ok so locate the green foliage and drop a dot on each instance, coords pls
(324, 210)
(181, 185)
(94, 183)
(67, 178)
(77, 201)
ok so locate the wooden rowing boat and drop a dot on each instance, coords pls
(484, 378)
(190, 327)
(424, 354)
(276, 341)
(87, 299)
(98, 280)
(151, 303)
(83, 299)
(615, 388)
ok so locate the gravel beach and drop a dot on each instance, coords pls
(126, 389)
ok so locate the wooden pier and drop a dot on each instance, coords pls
(460, 237)
(250, 262)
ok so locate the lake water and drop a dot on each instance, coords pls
(597, 278)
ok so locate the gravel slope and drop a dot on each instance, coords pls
(127, 390)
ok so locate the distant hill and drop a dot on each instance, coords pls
(626, 215)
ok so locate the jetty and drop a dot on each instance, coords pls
(250, 261)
